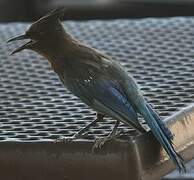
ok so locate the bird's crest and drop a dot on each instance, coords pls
(56, 13)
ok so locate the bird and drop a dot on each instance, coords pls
(97, 79)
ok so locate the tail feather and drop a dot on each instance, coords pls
(161, 132)
(163, 126)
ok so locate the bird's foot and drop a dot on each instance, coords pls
(100, 142)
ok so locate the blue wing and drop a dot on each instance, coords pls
(106, 96)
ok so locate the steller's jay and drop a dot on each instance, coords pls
(97, 80)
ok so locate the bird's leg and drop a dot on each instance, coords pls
(79, 134)
(101, 141)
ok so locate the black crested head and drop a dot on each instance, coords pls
(48, 24)
(44, 31)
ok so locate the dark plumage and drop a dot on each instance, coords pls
(96, 79)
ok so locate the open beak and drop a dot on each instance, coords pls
(25, 46)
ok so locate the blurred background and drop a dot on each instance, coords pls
(30, 10)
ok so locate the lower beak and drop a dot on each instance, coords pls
(25, 46)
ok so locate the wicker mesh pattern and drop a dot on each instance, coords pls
(35, 106)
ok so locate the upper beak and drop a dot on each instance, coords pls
(21, 37)
(25, 46)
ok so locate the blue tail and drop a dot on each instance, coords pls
(161, 132)
(163, 126)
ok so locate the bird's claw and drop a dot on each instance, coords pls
(100, 142)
